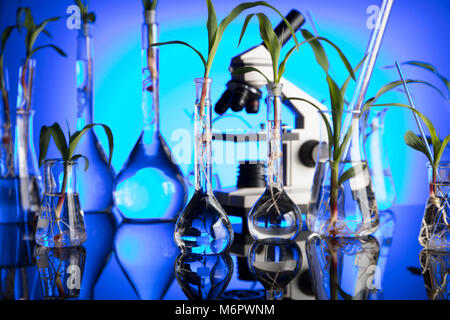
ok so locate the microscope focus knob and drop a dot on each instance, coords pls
(308, 153)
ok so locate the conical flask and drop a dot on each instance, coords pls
(25, 159)
(150, 185)
(203, 227)
(274, 217)
(95, 185)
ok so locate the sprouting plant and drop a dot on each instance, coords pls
(25, 20)
(67, 151)
(7, 127)
(215, 34)
(86, 16)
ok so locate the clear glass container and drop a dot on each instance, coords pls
(203, 227)
(342, 198)
(150, 185)
(9, 184)
(146, 254)
(60, 271)
(203, 277)
(274, 265)
(434, 231)
(95, 185)
(377, 157)
(342, 268)
(274, 217)
(61, 220)
(435, 271)
(25, 159)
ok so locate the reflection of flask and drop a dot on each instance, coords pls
(380, 170)
(18, 275)
(95, 185)
(25, 159)
(150, 185)
(203, 277)
(342, 268)
(203, 227)
(60, 271)
(146, 254)
(435, 270)
(275, 266)
(274, 216)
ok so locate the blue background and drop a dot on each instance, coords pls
(418, 30)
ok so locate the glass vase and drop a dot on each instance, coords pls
(150, 185)
(25, 159)
(378, 161)
(203, 277)
(342, 198)
(274, 217)
(342, 268)
(61, 220)
(95, 185)
(434, 231)
(435, 270)
(203, 227)
(9, 185)
(274, 265)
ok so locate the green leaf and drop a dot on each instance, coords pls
(35, 33)
(242, 70)
(319, 51)
(412, 140)
(341, 54)
(271, 41)
(431, 68)
(211, 24)
(439, 154)
(244, 27)
(57, 49)
(44, 141)
(282, 66)
(5, 36)
(86, 160)
(28, 22)
(181, 43)
(76, 137)
(347, 81)
(90, 17)
(351, 172)
(60, 140)
(337, 108)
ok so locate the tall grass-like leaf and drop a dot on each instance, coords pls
(44, 141)
(319, 51)
(243, 70)
(57, 49)
(60, 140)
(5, 36)
(86, 160)
(351, 172)
(413, 141)
(184, 44)
(211, 24)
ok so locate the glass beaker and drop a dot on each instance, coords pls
(377, 158)
(150, 185)
(342, 198)
(434, 231)
(203, 227)
(96, 185)
(274, 217)
(61, 220)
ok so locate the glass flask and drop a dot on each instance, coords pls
(146, 254)
(435, 270)
(61, 220)
(342, 268)
(150, 185)
(274, 217)
(342, 198)
(25, 159)
(274, 265)
(60, 271)
(203, 227)
(95, 185)
(203, 277)
(19, 278)
(434, 231)
(9, 185)
(379, 167)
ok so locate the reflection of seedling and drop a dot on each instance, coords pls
(67, 151)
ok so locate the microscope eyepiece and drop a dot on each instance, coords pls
(238, 96)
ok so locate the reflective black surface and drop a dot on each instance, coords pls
(140, 261)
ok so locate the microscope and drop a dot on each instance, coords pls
(300, 144)
(300, 148)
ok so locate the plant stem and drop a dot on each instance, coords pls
(334, 192)
(61, 199)
(433, 181)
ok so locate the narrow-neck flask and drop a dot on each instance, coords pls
(274, 217)
(203, 227)
(25, 159)
(96, 184)
(150, 185)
